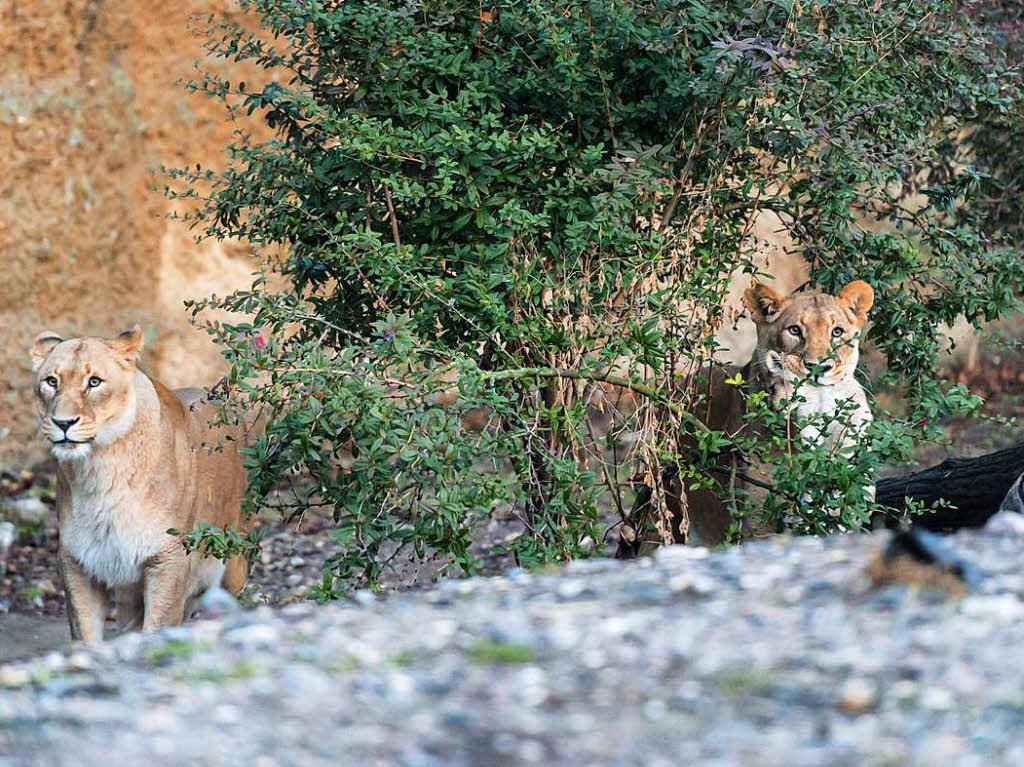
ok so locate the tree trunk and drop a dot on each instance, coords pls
(974, 486)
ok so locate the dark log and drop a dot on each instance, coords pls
(974, 486)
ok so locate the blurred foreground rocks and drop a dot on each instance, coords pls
(780, 652)
(28, 510)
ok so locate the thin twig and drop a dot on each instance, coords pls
(391, 215)
(577, 375)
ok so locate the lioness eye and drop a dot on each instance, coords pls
(794, 329)
(94, 382)
(837, 332)
(50, 381)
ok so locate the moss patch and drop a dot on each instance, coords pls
(500, 653)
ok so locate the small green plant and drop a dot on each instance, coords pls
(31, 593)
(512, 214)
(744, 683)
(403, 658)
(169, 651)
(500, 653)
(344, 663)
(235, 672)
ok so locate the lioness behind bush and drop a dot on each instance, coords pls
(807, 343)
(134, 459)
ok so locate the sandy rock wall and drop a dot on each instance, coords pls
(776, 254)
(89, 112)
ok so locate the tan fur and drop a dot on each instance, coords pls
(795, 343)
(141, 459)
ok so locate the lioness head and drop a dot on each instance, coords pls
(85, 389)
(816, 333)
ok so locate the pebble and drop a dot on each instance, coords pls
(936, 699)
(1001, 608)
(255, 635)
(8, 535)
(24, 511)
(159, 719)
(856, 695)
(14, 676)
(216, 603)
(79, 661)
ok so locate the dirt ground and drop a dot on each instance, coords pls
(290, 563)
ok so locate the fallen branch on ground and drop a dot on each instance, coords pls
(973, 488)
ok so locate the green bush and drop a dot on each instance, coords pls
(523, 199)
(993, 143)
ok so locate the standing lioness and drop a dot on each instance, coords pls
(133, 460)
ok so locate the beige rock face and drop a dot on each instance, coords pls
(180, 356)
(89, 112)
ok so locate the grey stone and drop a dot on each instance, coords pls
(767, 654)
(24, 511)
(216, 603)
(8, 535)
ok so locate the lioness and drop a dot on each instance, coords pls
(133, 460)
(806, 341)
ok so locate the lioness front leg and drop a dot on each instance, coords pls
(164, 584)
(86, 600)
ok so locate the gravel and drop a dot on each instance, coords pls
(24, 511)
(774, 653)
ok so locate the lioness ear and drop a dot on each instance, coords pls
(41, 348)
(763, 303)
(859, 296)
(129, 343)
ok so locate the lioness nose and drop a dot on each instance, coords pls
(65, 425)
(822, 363)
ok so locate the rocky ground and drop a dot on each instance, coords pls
(772, 653)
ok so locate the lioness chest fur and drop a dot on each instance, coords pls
(836, 416)
(134, 460)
